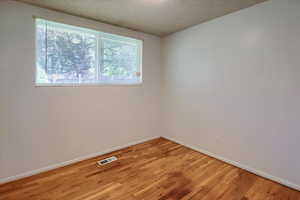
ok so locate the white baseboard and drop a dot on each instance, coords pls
(62, 164)
(239, 165)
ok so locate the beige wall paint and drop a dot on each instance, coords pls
(41, 126)
(232, 87)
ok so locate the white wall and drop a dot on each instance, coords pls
(41, 126)
(232, 87)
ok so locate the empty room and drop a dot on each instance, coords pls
(149, 99)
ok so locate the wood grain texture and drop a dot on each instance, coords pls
(154, 170)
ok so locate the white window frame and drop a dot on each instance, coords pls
(98, 66)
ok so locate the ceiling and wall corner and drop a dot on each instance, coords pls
(231, 89)
(157, 17)
(244, 99)
(45, 126)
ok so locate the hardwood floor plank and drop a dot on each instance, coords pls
(155, 170)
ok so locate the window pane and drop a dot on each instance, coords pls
(65, 55)
(68, 54)
(120, 61)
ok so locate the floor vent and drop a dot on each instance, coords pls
(107, 160)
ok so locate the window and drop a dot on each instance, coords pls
(69, 55)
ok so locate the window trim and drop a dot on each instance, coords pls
(98, 83)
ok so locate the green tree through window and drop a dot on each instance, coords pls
(73, 55)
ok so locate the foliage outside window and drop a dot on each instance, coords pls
(69, 55)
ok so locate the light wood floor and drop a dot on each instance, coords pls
(156, 170)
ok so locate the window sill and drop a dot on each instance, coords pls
(120, 84)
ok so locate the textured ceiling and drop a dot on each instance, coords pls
(158, 17)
